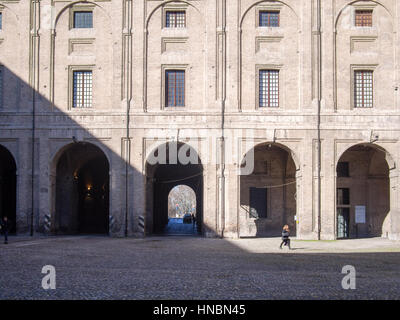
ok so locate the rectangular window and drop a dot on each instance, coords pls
(363, 89)
(343, 169)
(82, 86)
(269, 19)
(1, 20)
(343, 196)
(175, 88)
(363, 18)
(175, 19)
(258, 203)
(269, 88)
(83, 19)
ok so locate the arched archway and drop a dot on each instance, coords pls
(8, 187)
(181, 211)
(363, 193)
(268, 192)
(81, 190)
(171, 165)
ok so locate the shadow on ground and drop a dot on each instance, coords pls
(193, 268)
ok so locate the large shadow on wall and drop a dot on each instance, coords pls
(74, 173)
(68, 189)
(164, 176)
(75, 161)
(78, 186)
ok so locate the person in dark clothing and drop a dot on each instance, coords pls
(4, 228)
(193, 220)
(285, 236)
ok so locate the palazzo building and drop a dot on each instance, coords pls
(288, 112)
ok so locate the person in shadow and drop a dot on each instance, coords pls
(193, 221)
(285, 236)
(4, 224)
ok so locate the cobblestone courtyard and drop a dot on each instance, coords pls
(89, 267)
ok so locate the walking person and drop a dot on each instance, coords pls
(4, 228)
(285, 236)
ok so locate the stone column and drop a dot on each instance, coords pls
(43, 187)
(24, 186)
(117, 209)
(394, 205)
(138, 190)
(328, 189)
(232, 202)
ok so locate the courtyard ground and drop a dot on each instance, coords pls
(179, 267)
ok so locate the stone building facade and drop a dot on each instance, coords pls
(308, 89)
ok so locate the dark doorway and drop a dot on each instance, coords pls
(164, 177)
(8, 187)
(258, 202)
(82, 191)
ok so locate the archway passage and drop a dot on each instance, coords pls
(82, 191)
(8, 187)
(363, 193)
(181, 211)
(162, 178)
(268, 192)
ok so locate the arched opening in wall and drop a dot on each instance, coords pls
(82, 191)
(268, 192)
(8, 188)
(181, 211)
(174, 175)
(363, 193)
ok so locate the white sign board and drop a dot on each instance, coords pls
(360, 214)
